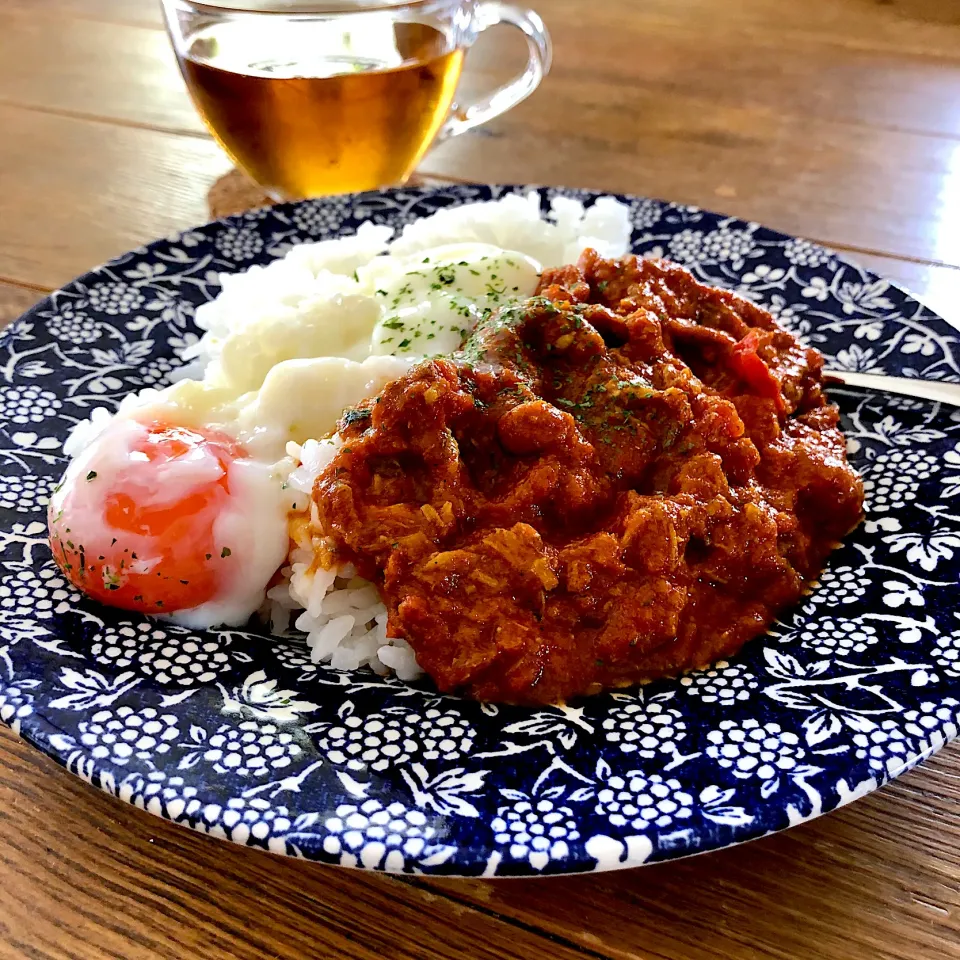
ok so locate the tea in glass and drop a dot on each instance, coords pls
(314, 98)
(339, 110)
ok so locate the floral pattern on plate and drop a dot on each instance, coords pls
(241, 736)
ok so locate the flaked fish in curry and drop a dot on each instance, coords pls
(623, 477)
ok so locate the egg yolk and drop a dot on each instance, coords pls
(143, 538)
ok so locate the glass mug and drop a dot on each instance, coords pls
(314, 98)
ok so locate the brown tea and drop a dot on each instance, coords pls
(325, 110)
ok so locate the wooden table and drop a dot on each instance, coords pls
(835, 119)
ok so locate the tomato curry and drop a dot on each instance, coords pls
(623, 477)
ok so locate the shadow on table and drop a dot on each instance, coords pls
(930, 11)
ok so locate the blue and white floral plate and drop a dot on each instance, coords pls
(240, 736)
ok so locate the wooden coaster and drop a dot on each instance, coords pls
(235, 192)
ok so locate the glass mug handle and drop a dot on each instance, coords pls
(489, 14)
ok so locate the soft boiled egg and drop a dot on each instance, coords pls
(170, 520)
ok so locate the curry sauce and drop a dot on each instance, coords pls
(623, 477)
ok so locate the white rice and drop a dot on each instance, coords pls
(515, 223)
(312, 275)
(341, 614)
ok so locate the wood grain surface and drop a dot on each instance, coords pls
(835, 119)
(15, 299)
(83, 191)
